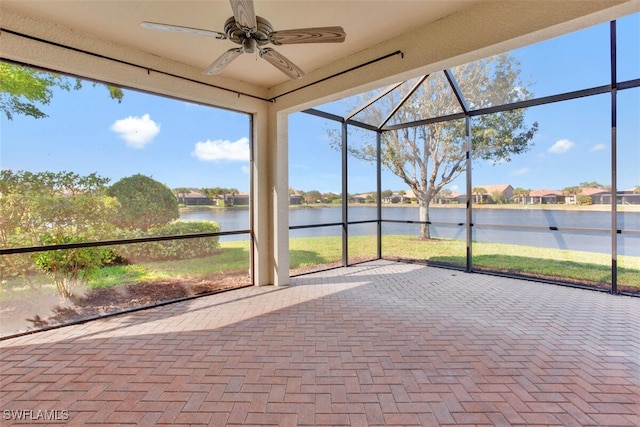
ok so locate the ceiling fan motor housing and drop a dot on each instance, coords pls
(238, 35)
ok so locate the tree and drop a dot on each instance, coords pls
(33, 204)
(48, 208)
(229, 192)
(312, 196)
(69, 267)
(144, 203)
(24, 90)
(497, 197)
(570, 193)
(444, 195)
(386, 194)
(332, 197)
(479, 192)
(584, 200)
(521, 194)
(215, 193)
(591, 184)
(431, 156)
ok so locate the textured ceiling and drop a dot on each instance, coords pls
(365, 22)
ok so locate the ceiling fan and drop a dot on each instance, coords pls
(252, 33)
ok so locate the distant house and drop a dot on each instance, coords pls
(194, 198)
(460, 198)
(295, 198)
(493, 193)
(361, 198)
(238, 199)
(408, 197)
(448, 198)
(394, 198)
(629, 197)
(599, 196)
(544, 197)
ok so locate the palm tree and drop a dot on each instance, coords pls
(479, 192)
(571, 192)
(521, 194)
(230, 192)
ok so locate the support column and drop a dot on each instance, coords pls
(271, 198)
(614, 161)
(279, 172)
(261, 199)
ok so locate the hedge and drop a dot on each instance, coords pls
(169, 249)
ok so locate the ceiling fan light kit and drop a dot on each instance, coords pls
(252, 33)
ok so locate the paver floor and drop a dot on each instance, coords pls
(381, 343)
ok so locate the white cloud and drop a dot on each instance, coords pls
(245, 170)
(598, 147)
(136, 131)
(561, 146)
(222, 150)
(523, 171)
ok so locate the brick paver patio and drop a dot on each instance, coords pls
(381, 343)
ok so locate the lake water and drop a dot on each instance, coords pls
(490, 225)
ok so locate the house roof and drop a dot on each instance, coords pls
(496, 188)
(589, 191)
(544, 192)
(193, 194)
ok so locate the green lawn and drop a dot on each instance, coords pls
(313, 253)
(554, 264)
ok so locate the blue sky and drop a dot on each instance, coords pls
(178, 143)
(186, 145)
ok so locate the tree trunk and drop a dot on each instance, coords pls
(425, 234)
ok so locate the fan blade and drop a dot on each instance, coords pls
(280, 62)
(179, 29)
(244, 14)
(308, 35)
(218, 65)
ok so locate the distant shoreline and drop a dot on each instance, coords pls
(585, 208)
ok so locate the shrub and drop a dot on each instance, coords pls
(170, 249)
(144, 203)
(69, 266)
(585, 200)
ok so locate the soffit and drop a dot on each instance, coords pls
(432, 35)
(366, 23)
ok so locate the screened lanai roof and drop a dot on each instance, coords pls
(394, 106)
(454, 95)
